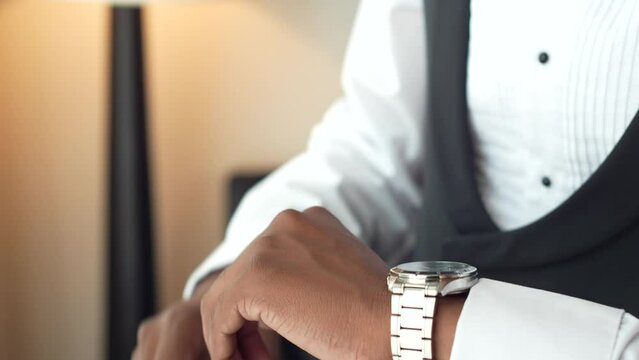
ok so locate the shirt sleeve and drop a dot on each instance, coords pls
(504, 321)
(363, 160)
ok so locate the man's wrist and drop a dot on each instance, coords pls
(379, 336)
(447, 315)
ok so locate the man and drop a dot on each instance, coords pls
(552, 93)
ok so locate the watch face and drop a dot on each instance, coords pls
(438, 268)
(445, 277)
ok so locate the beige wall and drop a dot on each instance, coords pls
(52, 74)
(234, 85)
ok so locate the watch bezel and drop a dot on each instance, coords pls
(446, 283)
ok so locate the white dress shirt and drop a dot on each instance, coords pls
(541, 128)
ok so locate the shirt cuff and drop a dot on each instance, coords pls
(222, 257)
(505, 321)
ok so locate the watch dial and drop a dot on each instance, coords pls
(437, 267)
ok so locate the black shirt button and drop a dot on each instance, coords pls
(544, 57)
(546, 181)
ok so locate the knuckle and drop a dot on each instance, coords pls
(266, 242)
(172, 315)
(288, 222)
(316, 210)
(288, 217)
(146, 330)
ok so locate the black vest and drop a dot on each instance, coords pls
(588, 247)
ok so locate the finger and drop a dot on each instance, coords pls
(183, 338)
(167, 347)
(146, 341)
(136, 354)
(235, 307)
(250, 342)
(215, 295)
(173, 345)
(144, 352)
(226, 321)
(208, 305)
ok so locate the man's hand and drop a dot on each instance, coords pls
(308, 278)
(175, 333)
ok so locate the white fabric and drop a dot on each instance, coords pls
(504, 321)
(560, 120)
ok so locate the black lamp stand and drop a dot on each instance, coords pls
(131, 292)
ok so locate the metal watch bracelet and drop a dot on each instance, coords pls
(412, 313)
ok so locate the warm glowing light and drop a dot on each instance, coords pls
(131, 2)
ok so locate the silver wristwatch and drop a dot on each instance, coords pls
(415, 288)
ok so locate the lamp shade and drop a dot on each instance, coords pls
(127, 3)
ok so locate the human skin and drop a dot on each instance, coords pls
(176, 332)
(305, 277)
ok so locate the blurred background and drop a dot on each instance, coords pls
(234, 87)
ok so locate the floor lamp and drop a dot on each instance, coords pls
(131, 284)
